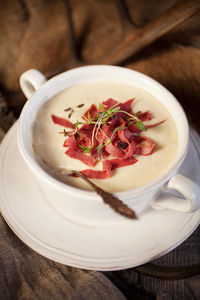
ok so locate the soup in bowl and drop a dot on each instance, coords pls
(120, 128)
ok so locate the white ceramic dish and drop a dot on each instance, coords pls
(128, 244)
(86, 207)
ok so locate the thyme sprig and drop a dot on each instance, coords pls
(71, 109)
(75, 125)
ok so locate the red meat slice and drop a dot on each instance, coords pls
(144, 116)
(61, 121)
(143, 149)
(78, 154)
(118, 163)
(105, 173)
(114, 151)
(90, 112)
(109, 103)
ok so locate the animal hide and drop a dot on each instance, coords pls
(36, 34)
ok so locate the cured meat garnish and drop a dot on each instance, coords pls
(109, 103)
(90, 112)
(110, 133)
(62, 121)
(86, 159)
(118, 163)
(105, 173)
(143, 149)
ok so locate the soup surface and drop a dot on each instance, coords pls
(48, 142)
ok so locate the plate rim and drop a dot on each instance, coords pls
(28, 239)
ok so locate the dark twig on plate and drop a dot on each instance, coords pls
(109, 199)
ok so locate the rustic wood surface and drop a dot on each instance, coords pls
(153, 37)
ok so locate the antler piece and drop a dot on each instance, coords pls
(139, 38)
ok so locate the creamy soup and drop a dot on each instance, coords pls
(48, 142)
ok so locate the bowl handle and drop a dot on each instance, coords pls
(188, 188)
(30, 81)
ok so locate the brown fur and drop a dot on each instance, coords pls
(35, 34)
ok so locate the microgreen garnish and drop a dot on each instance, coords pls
(139, 123)
(141, 126)
(76, 127)
(89, 115)
(76, 124)
(64, 132)
(98, 148)
(86, 149)
(101, 106)
(71, 109)
(134, 118)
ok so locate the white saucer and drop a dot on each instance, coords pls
(122, 246)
